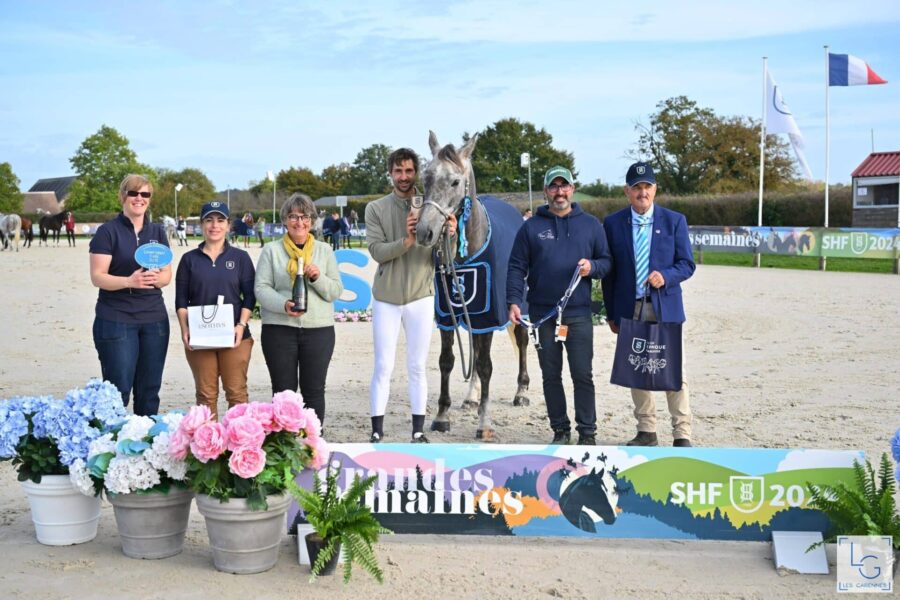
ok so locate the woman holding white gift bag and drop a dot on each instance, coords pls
(212, 275)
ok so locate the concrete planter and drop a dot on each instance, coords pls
(152, 525)
(243, 540)
(61, 514)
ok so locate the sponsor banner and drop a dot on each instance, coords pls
(591, 491)
(799, 241)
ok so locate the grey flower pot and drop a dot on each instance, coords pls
(243, 540)
(152, 525)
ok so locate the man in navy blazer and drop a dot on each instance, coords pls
(670, 262)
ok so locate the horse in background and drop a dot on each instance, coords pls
(171, 227)
(27, 232)
(52, 223)
(487, 229)
(10, 226)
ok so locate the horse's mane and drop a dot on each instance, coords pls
(449, 153)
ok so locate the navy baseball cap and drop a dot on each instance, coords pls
(214, 207)
(640, 172)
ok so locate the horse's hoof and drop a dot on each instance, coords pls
(440, 426)
(521, 401)
(487, 435)
(469, 404)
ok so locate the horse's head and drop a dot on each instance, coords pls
(588, 499)
(448, 179)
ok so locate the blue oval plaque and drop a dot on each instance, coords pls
(153, 255)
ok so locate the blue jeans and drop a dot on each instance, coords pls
(580, 352)
(132, 357)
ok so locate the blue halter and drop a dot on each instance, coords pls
(464, 218)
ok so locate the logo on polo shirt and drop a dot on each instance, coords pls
(229, 264)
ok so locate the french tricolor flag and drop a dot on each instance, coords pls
(846, 69)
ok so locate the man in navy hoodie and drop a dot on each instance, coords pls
(549, 247)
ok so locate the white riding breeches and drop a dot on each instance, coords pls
(417, 320)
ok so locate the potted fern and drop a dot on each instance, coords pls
(868, 508)
(339, 520)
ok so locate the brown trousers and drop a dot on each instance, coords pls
(679, 402)
(228, 363)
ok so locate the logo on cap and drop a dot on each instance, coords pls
(215, 204)
(641, 170)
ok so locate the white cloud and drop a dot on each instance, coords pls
(811, 459)
(578, 21)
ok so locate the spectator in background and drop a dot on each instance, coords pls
(248, 229)
(328, 227)
(344, 232)
(261, 231)
(181, 231)
(526, 215)
(70, 228)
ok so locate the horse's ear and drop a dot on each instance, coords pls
(433, 143)
(468, 148)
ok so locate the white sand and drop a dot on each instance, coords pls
(776, 359)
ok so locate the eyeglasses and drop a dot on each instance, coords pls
(293, 218)
(555, 187)
(135, 194)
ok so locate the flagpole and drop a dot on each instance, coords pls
(757, 259)
(822, 259)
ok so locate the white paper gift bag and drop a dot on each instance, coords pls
(211, 325)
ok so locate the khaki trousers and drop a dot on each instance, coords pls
(679, 402)
(228, 363)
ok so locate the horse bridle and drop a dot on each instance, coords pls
(443, 250)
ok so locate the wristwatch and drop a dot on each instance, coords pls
(242, 324)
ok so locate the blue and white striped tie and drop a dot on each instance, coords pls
(642, 251)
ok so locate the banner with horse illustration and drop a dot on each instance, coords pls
(592, 491)
(799, 241)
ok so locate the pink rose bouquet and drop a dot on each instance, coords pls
(253, 451)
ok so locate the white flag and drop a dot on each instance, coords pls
(780, 120)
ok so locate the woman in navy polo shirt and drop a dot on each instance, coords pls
(131, 327)
(216, 269)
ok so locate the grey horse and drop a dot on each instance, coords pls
(10, 227)
(449, 180)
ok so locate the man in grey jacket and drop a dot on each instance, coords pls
(403, 292)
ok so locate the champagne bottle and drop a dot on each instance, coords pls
(299, 294)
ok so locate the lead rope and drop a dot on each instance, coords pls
(560, 307)
(467, 365)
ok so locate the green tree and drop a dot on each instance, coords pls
(260, 188)
(335, 179)
(598, 189)
(11, 198)
(696, 151)
(498, 154)
(101, 162)
(369, 172)
(196, 191)
(300, 179)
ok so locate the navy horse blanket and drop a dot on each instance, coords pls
(480, 282)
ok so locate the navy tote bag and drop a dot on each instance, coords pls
(648, 355)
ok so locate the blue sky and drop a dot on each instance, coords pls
(237, 88)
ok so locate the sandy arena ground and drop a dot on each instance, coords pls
(776, 358)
